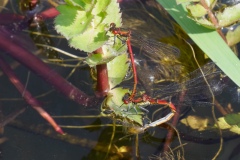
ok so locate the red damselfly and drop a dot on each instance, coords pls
(118, 32)
(151, 46)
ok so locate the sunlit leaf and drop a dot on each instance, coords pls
(100, 7)
(72, 21)
(229, 16)
(86, 4)
(84, 23)
(205, 22)
(90, 40)
(233, 35)
(230, 122)
(223, 124)
(185, 1)
(117, 69)
(196, 10)
(196, 122)
(113, 14)
(235, 129)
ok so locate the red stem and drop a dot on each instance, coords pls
(171, 131)
(27, 95)
(41, 69)
(102, 78)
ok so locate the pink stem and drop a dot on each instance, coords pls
(27, 95)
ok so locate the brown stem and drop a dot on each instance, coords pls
(174, 123)
(171, 131)
(220, 108)
(213, 19)
(102, 77)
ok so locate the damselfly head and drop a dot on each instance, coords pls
(126, 98)
(112, 27)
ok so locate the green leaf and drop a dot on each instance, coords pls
(117, 69)
(111, 50)
(113, 14)
(233, 119)
(84, 23)
(230, 122)
(196, 10)
(185, 1)
(94, 59)
(208, 40)
(100, 7)
(233, 35)
(223, 124)
(84, 4)
(114, 102)
(229, 16)
(90, 40)
(66, 16)
(71, 28)
(205, 22)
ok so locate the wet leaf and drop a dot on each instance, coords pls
(111, 50)
(196, 122)
(231, 122)
(130, 112)
(95, 59)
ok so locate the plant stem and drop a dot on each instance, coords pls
(27, 95)
(213, 19)
(102, 77)
(41, 69)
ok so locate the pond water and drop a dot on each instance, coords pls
(29, 136)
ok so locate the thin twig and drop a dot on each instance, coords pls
(213, 100)
(213, 19)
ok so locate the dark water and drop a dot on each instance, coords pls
(28, 139)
